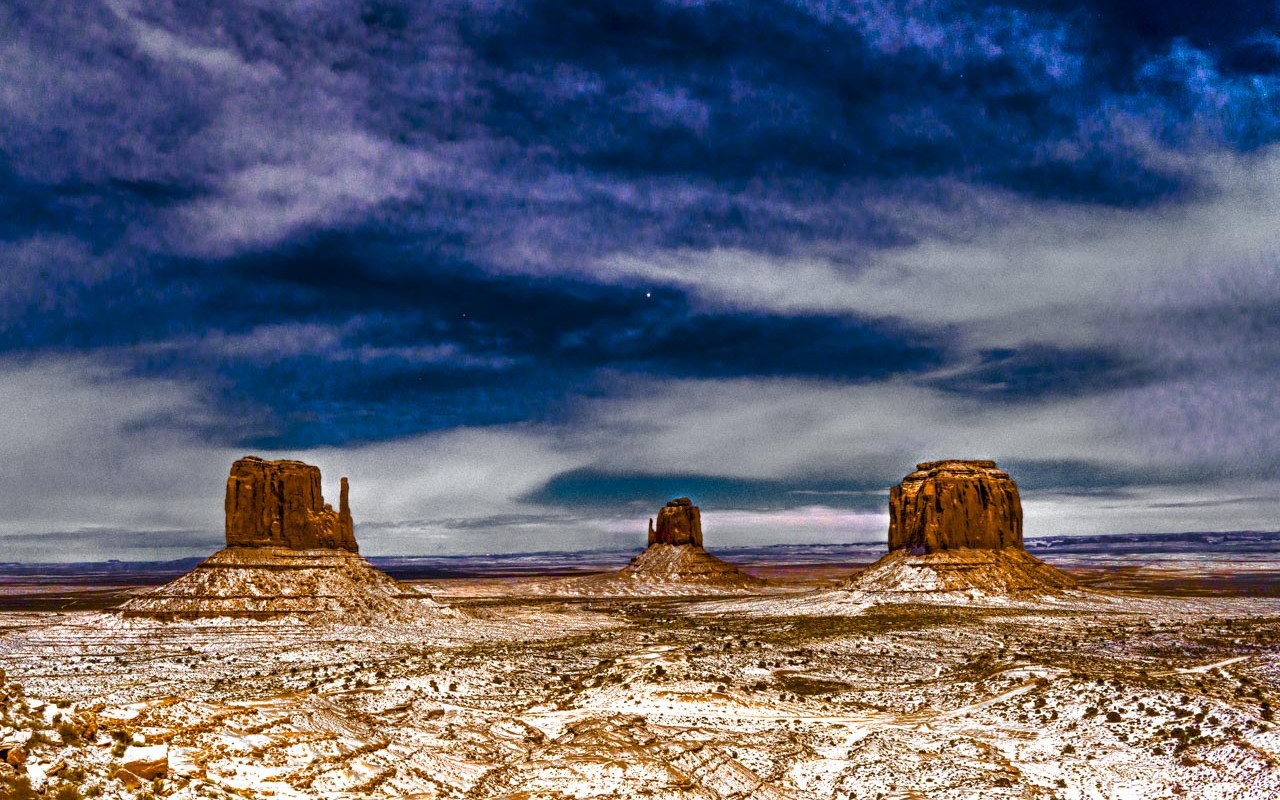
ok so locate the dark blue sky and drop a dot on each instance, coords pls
(524, 270)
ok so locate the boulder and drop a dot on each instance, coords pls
(953, 504)
(146, 762)
(678, 523)
(279, 504)
(128, 779)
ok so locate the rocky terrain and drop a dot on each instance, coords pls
(288, 553)
(956, 672)
(1104, 696)
(265, 582)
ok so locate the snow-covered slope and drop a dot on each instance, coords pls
(991, 572)
(265, 582)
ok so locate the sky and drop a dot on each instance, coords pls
(526, 270)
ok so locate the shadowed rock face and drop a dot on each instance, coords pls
(947, 505)
(678, 523)
(279, 504)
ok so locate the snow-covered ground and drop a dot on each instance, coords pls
(825, 694)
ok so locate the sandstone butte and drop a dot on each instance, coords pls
(679, 522)
(945, 505)
(956, 526)
(278, 504)
(288, 553)
(675, 561)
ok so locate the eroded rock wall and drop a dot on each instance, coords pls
(279, 504)
(678, 523)
(945, 505)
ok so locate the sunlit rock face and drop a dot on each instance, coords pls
(954, 504)
(678, 523)
(279, 504)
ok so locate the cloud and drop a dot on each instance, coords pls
(1009, 267)
(89, 446)
(320, 180)
(494, 257)
(95, 451)
(103, 452)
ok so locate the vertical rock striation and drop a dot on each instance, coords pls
(279, 504)
(953, 504)
(679, 522)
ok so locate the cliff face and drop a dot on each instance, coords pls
(678, 523)
(946, 505)
(279, 504)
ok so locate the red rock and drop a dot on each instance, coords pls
(128, 779)
(146, 762)
(952, 504)
(279, 504)
(679, 522)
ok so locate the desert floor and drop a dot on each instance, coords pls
(1140, 686)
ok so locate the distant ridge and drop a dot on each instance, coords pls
(569, 561)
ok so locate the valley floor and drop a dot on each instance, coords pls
(805, 693)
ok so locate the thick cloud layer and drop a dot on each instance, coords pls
(525, 269)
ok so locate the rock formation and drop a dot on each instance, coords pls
(945, 505)
(278, 504)
(674, 562)
(288, 553)
(955, 526)
(679, 522)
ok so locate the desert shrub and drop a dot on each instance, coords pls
(18, 788)
(67, 792)
(70, 733)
